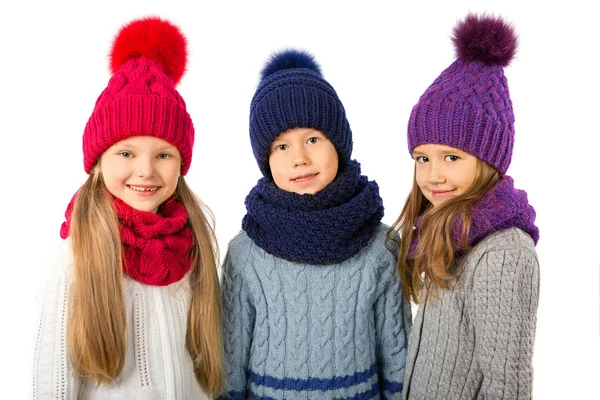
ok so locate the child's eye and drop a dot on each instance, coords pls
(126, 154)
(421, 159)
(164, 156)
(313, 140)
(281, 147)
(450, 157)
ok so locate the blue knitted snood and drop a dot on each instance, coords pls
(328, 227)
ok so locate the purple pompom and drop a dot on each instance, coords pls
(288, 59)
(487, 39)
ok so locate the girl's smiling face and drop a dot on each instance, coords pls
(303, 161)
(142, 171)
(443, 172)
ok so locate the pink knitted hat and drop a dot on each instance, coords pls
(147, 60)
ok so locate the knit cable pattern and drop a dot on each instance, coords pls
(476, 339)
(296, 330)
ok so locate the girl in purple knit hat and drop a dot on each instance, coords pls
(468, 253)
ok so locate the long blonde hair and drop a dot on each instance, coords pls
(97, 333)
(435, 252)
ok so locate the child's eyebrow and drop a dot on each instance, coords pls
(165, 148)
(278, 141)
(449, 151)
(126, 144)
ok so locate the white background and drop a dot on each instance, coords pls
(380, 57)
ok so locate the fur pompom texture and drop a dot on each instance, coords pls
(487, 39)
(289, 59)
(152, 38)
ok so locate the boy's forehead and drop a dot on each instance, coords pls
(299, 131)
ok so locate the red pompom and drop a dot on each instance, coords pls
(152, 38)
(487, 39)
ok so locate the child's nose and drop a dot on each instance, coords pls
(300, 157)
(144, 168)
(435, 174)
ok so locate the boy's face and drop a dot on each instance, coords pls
(303, 161)
(443, 172)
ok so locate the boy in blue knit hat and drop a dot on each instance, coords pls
(311, 296)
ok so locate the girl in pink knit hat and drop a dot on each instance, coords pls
(132, 309)
(468, 236)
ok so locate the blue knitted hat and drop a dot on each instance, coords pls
(292, 94)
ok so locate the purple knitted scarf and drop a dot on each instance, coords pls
(502, 207)
(328, 227)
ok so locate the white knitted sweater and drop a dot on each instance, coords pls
(157, 364)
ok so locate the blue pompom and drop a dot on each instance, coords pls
(288, 59)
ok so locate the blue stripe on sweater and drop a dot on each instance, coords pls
(368, 395)
(392, 387)
(254, 396)
(337, 382)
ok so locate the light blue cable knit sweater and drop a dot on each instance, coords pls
(301, 331)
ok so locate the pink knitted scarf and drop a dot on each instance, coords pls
(155, 246)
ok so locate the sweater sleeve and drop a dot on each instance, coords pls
(238, 322)
(53, 377)
(504, 307)
(391, 331)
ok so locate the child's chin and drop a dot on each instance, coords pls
(312, 189)
(305, 191)
(142, 206)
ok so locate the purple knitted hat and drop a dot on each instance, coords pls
(468, 106)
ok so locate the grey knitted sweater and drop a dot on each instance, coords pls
(475, 340)
(301, 331)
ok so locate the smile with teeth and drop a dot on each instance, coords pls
(303, 178)
(142, 189)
